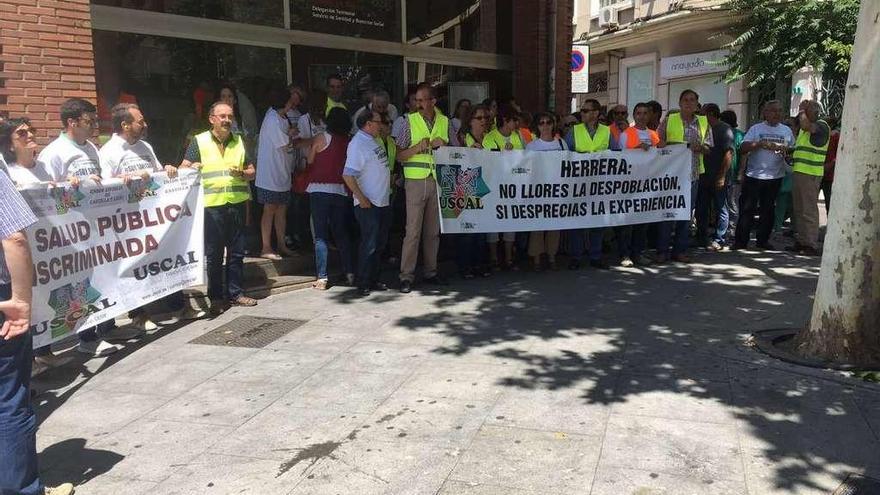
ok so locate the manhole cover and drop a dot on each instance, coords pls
(249, 331)
(858, 485)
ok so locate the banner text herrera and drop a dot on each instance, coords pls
(599, 187)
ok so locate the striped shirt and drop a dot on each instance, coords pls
(15, 215)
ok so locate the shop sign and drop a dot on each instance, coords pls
(694, 64)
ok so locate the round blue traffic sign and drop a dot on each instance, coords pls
(578, 61)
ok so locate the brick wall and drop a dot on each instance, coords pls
(531, 28)
(46, 57)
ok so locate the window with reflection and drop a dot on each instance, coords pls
(478, 25)
(263, 12)
(372, 19)
(453, 83)
(175, 81)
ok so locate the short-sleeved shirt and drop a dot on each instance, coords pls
(367, 160)
(274, 163)
(722, 138)
(691, 133)
(541, 145)
(64, 158)
(404, 136)
(15, 215)
(22, 176)
(194, 155)
(118, 158)
(765, 164)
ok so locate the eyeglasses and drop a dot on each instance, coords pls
(25, 132)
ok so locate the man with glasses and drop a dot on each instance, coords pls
(73, 158)
(587, 137)
(619, 118)
(368, 176)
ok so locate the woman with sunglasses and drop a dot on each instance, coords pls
(505, 138)
(470, 248)
(547, 139)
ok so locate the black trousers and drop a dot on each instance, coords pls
(758, 197)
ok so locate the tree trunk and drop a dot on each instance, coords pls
(845, 324)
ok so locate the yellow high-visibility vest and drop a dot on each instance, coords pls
(675, 132)
(600, 141)
(217, 181)
(500, 142)
(421, 166)
(333, 104)
(487, 144)
(808, 159)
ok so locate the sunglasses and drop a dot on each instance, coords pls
(24, 132)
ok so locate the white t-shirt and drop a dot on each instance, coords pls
(765, 164)
(119, 158)
(541, 145)
(274, 163)
(308, 129)
(368, 162)
(64, 158)
(23, 176)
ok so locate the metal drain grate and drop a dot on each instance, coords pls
(249, 331)
(858, 485)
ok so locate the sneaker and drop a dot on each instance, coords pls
(135, 330)
(599, 264)
(65, 489)
(626, 262)
(405, 286)
(96, 348)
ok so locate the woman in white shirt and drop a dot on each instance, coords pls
(274, 168)
(547, 139)
(19, 149)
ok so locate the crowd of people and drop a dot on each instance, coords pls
(351, 178)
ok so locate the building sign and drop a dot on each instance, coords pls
(694, 64)
(375, 20)
(580, 69)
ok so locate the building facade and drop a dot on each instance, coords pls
(169, 55)
(643, 50)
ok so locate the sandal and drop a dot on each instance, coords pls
(320, 284)
(271, 256)
(243, 301)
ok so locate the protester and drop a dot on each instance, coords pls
(19, 470)
(830, 162)
(734, 178)
(245, 118)
(298, 229)
(380, 101)
(712, 194)
(766, 144)
(524, 124)
(631, 238)
(328, 197)
(588, 137)
(808, 165)
(274, 169)
(368, 177)
(335, 91)
(545, 242)
(459, 118)
(226, 169)
(470, 249)
(505, 138)
(424, 130)
(73, 158)
(684, 127)
(492, 105)
(655, 115)
(619, 117)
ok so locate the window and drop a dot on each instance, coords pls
(263, 12)
(639, 84)
(498, 83)
(174, 82)
(711, 90)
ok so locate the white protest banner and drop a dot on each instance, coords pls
(519, 191)
(100, 250)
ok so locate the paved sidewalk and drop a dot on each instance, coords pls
(632, 381)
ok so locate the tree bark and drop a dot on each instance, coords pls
(845, 323)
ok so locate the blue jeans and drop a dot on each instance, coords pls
(19, 474)
(710, 197)
(329, 214)
(225, 230)
(576, 243)
(375, 224)
(682, 230)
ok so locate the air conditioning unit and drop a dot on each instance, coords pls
(607, 16)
